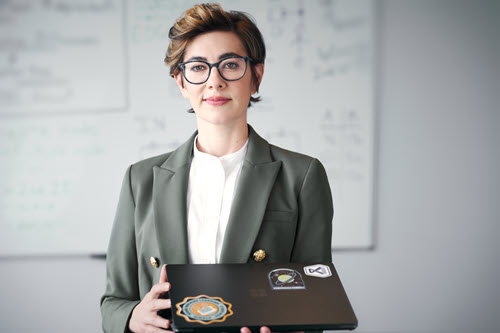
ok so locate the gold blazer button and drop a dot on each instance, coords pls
(259, 255)
(154, 262)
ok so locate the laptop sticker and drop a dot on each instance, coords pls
(204, 309)
(319, 270)
(284, 278)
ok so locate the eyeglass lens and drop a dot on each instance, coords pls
(230, 69)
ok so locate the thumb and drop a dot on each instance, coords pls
(163, 274)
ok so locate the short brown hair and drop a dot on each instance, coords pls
(211, 17)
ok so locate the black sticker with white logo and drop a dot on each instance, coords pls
(319, 270)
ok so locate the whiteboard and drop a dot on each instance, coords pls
(84, 93)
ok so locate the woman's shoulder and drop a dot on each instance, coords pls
(290, 157)
(147, 164)
(141, 172)
(297, 165)
(262, 147)
(299, 168)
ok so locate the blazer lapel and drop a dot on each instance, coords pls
(257, 178)
(169, 204)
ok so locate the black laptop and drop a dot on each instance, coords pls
(284, 297)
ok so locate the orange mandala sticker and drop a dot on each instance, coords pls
(204, 309)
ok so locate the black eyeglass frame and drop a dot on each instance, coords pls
(182, 67)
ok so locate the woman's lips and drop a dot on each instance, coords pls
(217, 100)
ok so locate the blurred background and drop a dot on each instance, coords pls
(431, 264)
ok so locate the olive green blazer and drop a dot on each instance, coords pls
(282, 205)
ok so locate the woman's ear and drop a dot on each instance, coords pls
(259, 73)
(180, 83)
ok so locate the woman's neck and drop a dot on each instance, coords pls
(220, 140)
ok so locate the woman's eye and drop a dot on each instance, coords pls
(197, 68)
(231, 65)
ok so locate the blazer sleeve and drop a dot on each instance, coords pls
(122, 292)
(314, 224)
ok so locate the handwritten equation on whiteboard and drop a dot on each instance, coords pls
(62, 56)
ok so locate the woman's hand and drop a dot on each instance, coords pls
(144, 316)
(263, 329)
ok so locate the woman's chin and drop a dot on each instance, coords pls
(220, 118)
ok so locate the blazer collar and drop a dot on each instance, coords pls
(258, 151)
(257, 178)
(181, 156)
(170, 183)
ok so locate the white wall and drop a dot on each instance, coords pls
(435, 267)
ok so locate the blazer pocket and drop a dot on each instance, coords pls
(278, 216)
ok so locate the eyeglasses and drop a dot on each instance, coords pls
(230, 69)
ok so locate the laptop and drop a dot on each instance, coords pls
(284, 297)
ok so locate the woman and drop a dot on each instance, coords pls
(224, 196)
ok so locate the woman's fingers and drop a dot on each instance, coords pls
(159, 289)
(157, 321)
(265, 329)
(145, 317)
(160, 304)
(163, 274)
(155, 329)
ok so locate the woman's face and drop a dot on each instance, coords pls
(217, 101)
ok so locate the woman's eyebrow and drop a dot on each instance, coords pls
(222, 56)
(228, 55)
(196, 59)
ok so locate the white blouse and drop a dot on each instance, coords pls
(211, 187)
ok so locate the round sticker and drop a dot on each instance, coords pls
(285, 278)
(204, 309)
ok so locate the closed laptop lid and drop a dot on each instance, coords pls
(284, 297)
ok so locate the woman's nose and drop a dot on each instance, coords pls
(215, 79)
